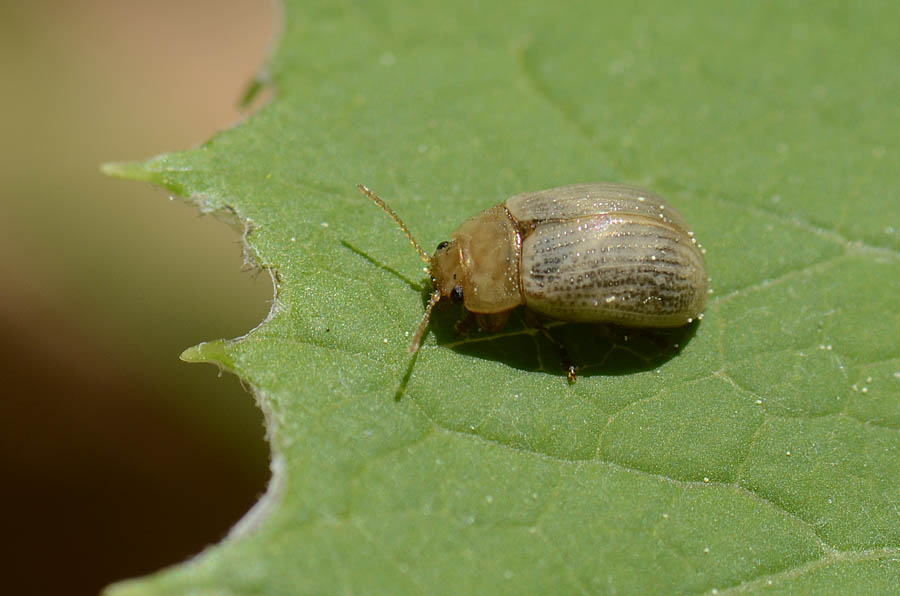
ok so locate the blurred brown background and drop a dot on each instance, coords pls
(117, 458)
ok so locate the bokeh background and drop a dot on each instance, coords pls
(116, 458)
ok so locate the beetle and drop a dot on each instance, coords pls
(594, 253)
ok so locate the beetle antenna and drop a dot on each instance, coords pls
(365, 190)
(420, 331)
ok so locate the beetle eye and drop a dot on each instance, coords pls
(443, 245)
(456, 295)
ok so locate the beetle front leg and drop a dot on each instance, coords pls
(462, 326)
(492, 323)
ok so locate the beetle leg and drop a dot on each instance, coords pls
(462, 325)
(494, 322)
(535, 321)
(658, 337)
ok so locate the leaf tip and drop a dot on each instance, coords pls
(129, 170)
(253, 90)
(211, 352)
(148, 171)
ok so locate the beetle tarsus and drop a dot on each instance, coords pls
(567, 363)
(535, 321)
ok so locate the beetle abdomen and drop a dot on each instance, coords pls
(613, 268)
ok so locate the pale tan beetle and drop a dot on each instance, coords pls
(597, 253)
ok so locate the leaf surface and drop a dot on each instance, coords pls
(756, 451)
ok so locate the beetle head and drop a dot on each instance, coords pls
(446, 271)
(446, 279)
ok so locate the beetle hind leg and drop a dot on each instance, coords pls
(535, 321)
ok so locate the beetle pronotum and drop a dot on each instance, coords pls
(597, 253)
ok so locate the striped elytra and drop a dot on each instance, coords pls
(597, 253)
(608, 253)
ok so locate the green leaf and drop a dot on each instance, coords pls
(761, 453)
